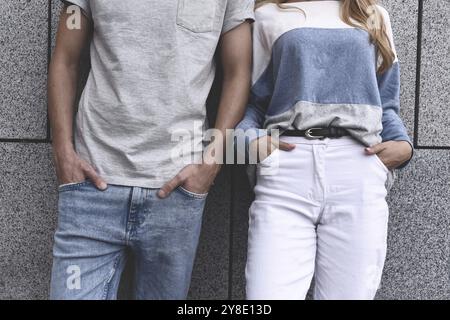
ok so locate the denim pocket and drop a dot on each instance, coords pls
(72, 186)
(197, 15)
(193, 195)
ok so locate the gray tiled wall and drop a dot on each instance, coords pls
(417, 263)
(434, 112)
(23, 65)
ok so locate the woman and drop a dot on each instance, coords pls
(326, 75)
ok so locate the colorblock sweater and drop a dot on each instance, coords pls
(321, 72)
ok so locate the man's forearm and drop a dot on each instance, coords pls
(235, 92)
(63, 79)
(236, 53)
(62, 85)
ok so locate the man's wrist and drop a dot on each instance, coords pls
(63, 150)
(214, 153)
(214, 167)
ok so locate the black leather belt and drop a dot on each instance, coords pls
(317, 133)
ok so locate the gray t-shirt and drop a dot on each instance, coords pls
(142, 113)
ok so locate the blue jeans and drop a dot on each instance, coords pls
(95, 228)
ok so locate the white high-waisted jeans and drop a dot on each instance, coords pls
(319, 210)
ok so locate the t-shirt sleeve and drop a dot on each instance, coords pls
(237, 12)
(83, 4)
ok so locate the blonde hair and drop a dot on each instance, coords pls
(363, 14)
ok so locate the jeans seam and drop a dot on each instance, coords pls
(128, 226)
(106, 288)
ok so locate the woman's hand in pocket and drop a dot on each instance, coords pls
(392, 153)
(263, 147)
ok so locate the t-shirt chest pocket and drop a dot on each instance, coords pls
(197, 15)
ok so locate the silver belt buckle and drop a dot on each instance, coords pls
(309, 134)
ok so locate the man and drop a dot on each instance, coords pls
(139, 122)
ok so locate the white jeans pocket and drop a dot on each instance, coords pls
(381, 163)
(270, 165)
(270, 158)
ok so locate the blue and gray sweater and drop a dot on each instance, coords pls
(320, 72)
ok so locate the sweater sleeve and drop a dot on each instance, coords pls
(389, 88)
(252, 125)
(253, 121)
(250, 128)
